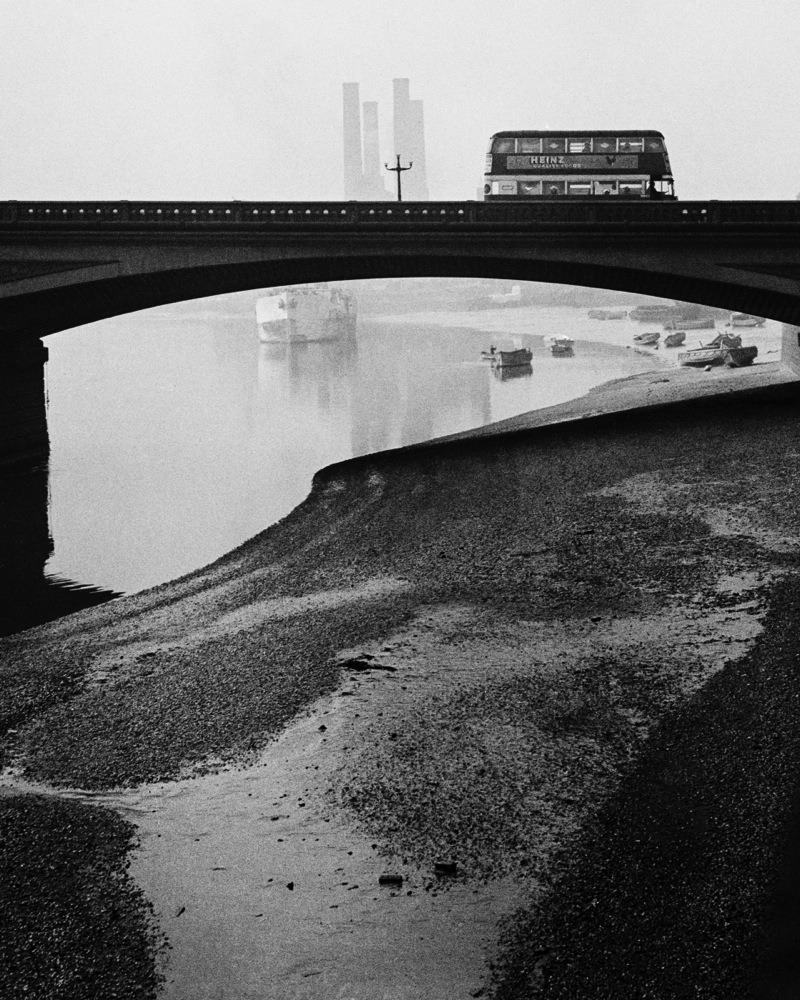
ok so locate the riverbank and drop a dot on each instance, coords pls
(512, 638)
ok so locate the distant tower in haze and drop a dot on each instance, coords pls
(372, 185)
(353, 171)
(362, 174)
(409, 139)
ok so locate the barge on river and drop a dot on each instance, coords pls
(306, 314)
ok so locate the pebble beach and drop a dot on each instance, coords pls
(544, 676)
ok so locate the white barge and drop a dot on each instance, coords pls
(305, 314)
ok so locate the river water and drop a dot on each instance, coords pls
(176, 435)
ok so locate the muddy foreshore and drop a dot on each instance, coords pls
(588, 635)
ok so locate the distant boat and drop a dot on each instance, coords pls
(561, 346)
(305, 314)
(647, 339)
(513, 359)
(707, 323)
(675, 339)
(607, 314)
(743, 319)
(653, 314)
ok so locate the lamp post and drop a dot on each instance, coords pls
(399, 170)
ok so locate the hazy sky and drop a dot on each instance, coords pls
(243, 98)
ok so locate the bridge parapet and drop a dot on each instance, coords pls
(156, 214)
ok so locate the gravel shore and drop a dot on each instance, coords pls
(597, 621)
(74, 925)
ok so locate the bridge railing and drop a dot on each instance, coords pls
(180, 215)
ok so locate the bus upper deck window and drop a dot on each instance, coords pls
(582, 189)
(554, 145)
(529, 145)
(503, 146)
(605, 144)
(577, 145)
(631, 189)
(530, 187)
(605, 187)
(631, 145)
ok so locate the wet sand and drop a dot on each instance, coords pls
(541, 607)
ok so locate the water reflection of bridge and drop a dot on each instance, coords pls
(28, 596)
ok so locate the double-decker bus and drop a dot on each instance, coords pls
(629, 164)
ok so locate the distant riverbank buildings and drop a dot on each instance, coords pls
(363, 167)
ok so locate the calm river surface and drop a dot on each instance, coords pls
(176, 435)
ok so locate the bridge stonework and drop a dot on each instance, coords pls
(64, 264)
(790, 347)
(23, 408)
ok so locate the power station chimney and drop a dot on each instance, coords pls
(353, 171)
(373, 187)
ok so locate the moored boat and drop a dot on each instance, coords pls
(744, 319)
(707, 323)
(607, 314)
(653, 313)
(675, 339)
(647, 339)
(306, 313)
(703, 357)
(561, 346)
(513, 358)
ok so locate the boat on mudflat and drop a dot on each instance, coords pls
(707, 323)
(653, 313)
(725, 349)
(607, 314)
(647, 339)
(561, 347)
(675, 339)
(744, 319)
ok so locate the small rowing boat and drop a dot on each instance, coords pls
(561, 347)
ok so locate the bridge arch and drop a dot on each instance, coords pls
(63, 306)
(66, 264)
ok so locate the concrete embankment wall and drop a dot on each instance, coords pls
(23, 407)
(790, 347)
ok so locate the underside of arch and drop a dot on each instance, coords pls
(51, 310)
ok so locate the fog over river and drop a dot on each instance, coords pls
(176, 435)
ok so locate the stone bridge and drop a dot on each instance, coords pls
(63, 264)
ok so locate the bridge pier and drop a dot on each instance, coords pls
(790, 347)
(23, 404)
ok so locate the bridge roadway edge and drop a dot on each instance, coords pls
(56, 275)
